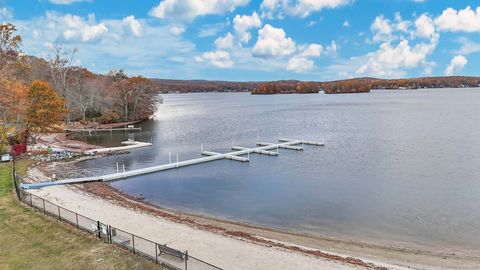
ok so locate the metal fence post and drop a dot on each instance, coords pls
(133, 243)
(43, 201)
(109, 231)
(31, 203)
(76, 217)
(59, 216)
(186, 259)
(156, 253)
(98, 229)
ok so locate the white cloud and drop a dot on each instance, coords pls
(467, 47)
(176, 29)
(391, 61)
(300, 8)
(400, 24)
(220, 59)
(464, 20)
(456, 65)
(78, 29)
(5, 14)
(302, 62)
(147, 55)
(424, 27)
(346, 24)
(272, 42)
(242, 24)
(66, 2)
(188, 10)
(382, 29)
(132, 25)
(226, 42)
(209, 30)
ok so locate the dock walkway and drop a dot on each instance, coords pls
(210, 156)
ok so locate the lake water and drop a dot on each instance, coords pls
(399, 167)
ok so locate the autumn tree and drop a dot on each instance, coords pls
(46, 107)
(10, 44)
(61, 64)
(13, 100)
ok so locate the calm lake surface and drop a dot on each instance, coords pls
(399, 167)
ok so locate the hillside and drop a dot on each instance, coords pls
(357, 85)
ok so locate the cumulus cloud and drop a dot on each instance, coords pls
(226, 42)
(424, 27)
(302, 61)
(220, 59)
(188, 10)
(456, 65)
(392, 60)
(132, 25)
(382, 29)
(464, 20)
(272, 42)
(242, 24)
(300, 8)
(147, 55)
(79, 29)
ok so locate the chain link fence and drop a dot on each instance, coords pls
(161, 253)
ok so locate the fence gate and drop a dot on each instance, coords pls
(103, 232)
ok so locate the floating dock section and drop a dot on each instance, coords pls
(128, 145)
(238, 155)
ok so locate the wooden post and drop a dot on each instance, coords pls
(59, 216)
(43, 206)
(186, 259)
(156, 253)
(76, 217)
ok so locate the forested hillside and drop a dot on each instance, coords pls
(84, 95)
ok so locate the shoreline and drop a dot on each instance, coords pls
(105, 191)
(355, 253)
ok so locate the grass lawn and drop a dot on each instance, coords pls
(30, 240)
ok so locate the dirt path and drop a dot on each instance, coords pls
(60, 140)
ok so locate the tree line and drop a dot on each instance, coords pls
(39, 93)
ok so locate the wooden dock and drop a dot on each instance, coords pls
(208, 156)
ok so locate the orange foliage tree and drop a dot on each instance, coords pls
(46, 107)
(13, 100)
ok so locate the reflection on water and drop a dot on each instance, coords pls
(399, 166)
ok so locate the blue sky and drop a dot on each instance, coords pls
(257, 39)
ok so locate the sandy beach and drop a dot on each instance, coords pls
(238, 246)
